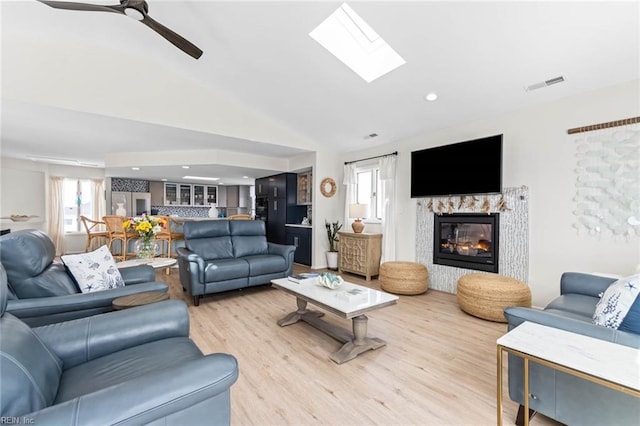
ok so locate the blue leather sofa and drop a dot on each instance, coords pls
(566, 398)
(41, 290)
(221, 255)
(136, 366)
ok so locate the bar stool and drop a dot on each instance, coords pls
(170, 234)
(117, 233)
(94, 230)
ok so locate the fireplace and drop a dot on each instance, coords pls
(466, 240)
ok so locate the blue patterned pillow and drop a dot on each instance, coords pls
(619, 305)
(94, 271)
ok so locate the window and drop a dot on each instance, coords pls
(77, 201)
(367, 190)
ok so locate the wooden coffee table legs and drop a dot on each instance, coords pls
(354, 344)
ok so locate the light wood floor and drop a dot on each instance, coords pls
(438, 368)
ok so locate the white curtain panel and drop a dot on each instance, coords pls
(387, 166)
(350, 181)
(56, 221)
(98, 201)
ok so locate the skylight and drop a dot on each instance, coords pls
(349, 38)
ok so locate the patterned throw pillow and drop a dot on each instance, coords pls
(619, 305)
(94, 271)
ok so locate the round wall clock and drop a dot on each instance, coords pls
(328, 187)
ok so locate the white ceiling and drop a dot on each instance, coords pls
(91, 86)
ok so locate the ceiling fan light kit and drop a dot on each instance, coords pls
(138, 10)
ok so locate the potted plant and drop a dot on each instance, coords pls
(332, 236)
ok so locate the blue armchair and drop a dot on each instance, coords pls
(41, 290)
(563, 397)
(136, 366)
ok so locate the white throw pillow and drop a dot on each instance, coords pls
(616, 302)
(94, 271)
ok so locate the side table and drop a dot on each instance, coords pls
(155, 263)
(605, 363)
(360, 253)
(139, 299)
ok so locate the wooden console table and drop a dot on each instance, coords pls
(605, 363)
(360, 253)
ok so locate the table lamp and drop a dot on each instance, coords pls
(358, 211)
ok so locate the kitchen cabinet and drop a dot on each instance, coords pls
(301, 238)
(262, 187)
(157, 193)
(177, 194)
(185, 194)
(204, 195)
(360, 253)
(281, 205)
(304, 188)
(199, 192)
(222, 196)
(211, 194)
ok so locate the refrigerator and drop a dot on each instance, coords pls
(130, 203)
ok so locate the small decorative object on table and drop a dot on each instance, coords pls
(147, 227)
(329, 280)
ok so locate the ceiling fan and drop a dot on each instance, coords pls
(138, 10)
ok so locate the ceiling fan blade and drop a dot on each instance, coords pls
(174, 38)
(83, 6)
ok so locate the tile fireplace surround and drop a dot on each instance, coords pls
(514, 237)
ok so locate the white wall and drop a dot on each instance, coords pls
(24, 190)
(538, 153)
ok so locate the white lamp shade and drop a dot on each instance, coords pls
(358, 211)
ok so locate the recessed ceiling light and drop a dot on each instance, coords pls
(163, 179)
(350, 39)
(200, 177)
(431, 97)
(185, 167)
(245, 177)
(135, 168)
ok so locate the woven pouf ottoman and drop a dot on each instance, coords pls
(487, 295)
(403, 277)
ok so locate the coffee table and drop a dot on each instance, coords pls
(349, 301)
(155, 262)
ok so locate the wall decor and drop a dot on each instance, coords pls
(328, 187)
(607, 183)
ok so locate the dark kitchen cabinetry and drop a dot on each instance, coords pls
(279, 194)
(301, 238)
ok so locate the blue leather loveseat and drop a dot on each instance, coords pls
(566, 398)
(221, 255)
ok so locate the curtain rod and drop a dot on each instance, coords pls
(370, 158)
(607, 125)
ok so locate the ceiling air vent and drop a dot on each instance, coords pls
(545, 83)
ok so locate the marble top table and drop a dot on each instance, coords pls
(349, 301)
(609, 364)
(156, 263)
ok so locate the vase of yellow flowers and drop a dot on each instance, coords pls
(147, 227)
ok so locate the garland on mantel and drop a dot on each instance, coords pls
(472, 203)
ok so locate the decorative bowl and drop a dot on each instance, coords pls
(329, 280)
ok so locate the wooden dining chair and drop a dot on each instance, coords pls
(240, 217)
(169, 234)
(117, 233)
(95, 230)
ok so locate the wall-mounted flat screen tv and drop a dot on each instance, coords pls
(464, 168)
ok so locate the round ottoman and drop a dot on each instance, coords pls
(403, 277)
(487, 295)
